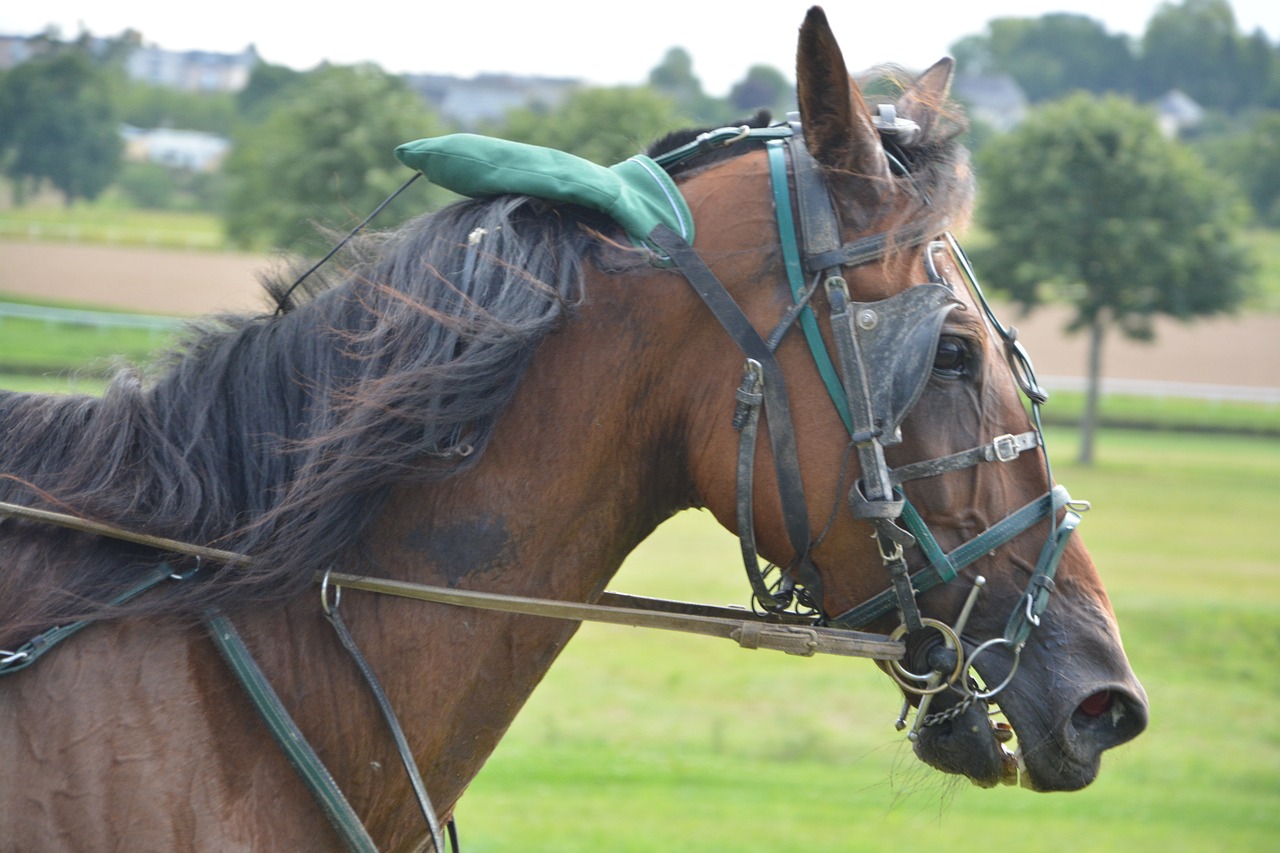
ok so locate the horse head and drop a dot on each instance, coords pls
(924, 501)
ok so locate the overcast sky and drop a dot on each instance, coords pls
(602, 43)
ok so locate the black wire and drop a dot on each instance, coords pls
(284, 300)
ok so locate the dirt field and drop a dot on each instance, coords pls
(1236, 351)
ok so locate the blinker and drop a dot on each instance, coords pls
(896, 341)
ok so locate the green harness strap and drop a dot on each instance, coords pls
(301, 755)
(776, 149)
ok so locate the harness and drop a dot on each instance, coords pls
(883, 353)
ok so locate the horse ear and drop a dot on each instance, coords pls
(837, 123)
(925, 100)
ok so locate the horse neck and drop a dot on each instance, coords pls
(586, 461)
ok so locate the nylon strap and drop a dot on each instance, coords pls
(943, 567)
(304, 759)
(795, 278)
(35, 648)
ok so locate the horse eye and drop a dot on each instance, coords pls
(952, 357)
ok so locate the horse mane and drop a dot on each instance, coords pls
(280, 435)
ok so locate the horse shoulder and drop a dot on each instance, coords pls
(134, 731)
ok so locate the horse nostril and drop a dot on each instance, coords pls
(1097, 704)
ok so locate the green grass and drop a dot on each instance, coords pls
(1170, 413)
(58, 348)
(640, 742)
(112, 224)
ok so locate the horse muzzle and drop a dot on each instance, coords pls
(961, 738)
(1071, 697)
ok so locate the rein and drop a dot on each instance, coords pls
(778, 632)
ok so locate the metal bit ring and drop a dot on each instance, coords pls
(910, 681)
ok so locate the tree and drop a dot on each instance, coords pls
(1252, 157)
(605, 126)
(145, 105)
(60, 121)
(674, 79)
(763, 87)
(324, 155)
(1051, 56)
(267, 85)
(1197, 48)
(1087, 201)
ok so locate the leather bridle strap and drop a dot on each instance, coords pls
(330, 607)
(773, 388)
(1004, 448)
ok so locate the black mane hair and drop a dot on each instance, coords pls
(279, 436)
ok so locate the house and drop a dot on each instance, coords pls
(192, 70)
(487, 97)
(1178, 113)
(994, 99)
(191, 150)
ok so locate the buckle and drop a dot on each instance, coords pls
(1005, 448)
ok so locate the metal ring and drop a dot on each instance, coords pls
(907, 679)
(1033, 618)
(324, 595)
(994, 641)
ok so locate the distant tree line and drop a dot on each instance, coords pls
(1195, 46)
(315, 146)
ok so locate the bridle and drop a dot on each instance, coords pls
(883, 354)
(884, 351)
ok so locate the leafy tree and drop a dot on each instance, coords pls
(1252, 157)
(145, 105)
(324, 155)
(674, 79)
(605, 126)
(1051, 56)
(267, 85)
(1197, 48)
(1088, 201)
(764, 86)
(59, 119)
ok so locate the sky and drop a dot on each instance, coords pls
(599, 43)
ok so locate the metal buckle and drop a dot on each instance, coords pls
(1005, 448)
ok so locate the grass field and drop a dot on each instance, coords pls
(638, 742)
(112, 224)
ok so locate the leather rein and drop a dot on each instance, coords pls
(871, 412)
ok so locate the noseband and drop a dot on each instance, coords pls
(883, 354)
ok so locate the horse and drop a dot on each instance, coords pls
(506, 397)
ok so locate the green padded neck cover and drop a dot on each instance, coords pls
(637, 193)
